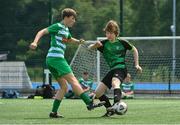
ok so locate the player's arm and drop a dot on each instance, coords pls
(74, 40)
(87, 89)
(129, 93)
(128, 46)
(95, 45)
(136, 59)
(38, 36)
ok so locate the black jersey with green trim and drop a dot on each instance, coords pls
(114, 52)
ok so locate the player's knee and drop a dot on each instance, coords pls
(73, 81)
(116, 83)
(64, 87)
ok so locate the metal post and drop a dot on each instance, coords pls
(47, 74)
(173, 29)
(50, 12)
(121, 17)
(98, 67)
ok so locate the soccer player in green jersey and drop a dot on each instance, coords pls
(56, 62)
(114, 51)
(127, 88)
(86, 82)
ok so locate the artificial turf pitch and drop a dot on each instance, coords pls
(140, 111)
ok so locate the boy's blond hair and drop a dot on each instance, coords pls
(112, 27)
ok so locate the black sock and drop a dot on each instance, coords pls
(106, 99)
(117, 95)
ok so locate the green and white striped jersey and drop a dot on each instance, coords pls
(59, 35)
(127, 87)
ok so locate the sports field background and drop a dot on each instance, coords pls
(140, 111)
(158, 87)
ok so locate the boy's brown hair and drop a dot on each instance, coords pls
(67, 12)
(112, 27)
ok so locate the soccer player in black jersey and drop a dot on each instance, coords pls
(114, 51)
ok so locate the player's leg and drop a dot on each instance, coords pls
(80, 92)
(106, 83)
(56, 72)
(63, 88)
(117, 96)
(58, 98)
(103, 86)
(118, 77)
(99, 92)
(116, 88)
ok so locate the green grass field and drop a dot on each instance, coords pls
(140, 111)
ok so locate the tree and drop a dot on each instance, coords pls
(144, 18)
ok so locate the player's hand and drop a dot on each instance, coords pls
(98, 44)
(95, 45)
(92, 95)
(33, 46)
(81, 41)
(138, 68)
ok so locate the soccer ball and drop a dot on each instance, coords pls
(120, 108)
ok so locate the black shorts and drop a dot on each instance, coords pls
(118, 73)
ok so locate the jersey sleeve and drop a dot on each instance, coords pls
(80, 80)
(102, 47)
(126, 44)
(69, 36)
(132, 86)
(53, 28)
(91, 84)
(67, 39)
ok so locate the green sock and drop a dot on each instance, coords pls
(85, 98)
(56, 105)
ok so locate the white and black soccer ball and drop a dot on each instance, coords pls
(120, 108)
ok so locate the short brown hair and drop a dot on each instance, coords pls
(67, 12)
(85, 73)
(112, 27)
